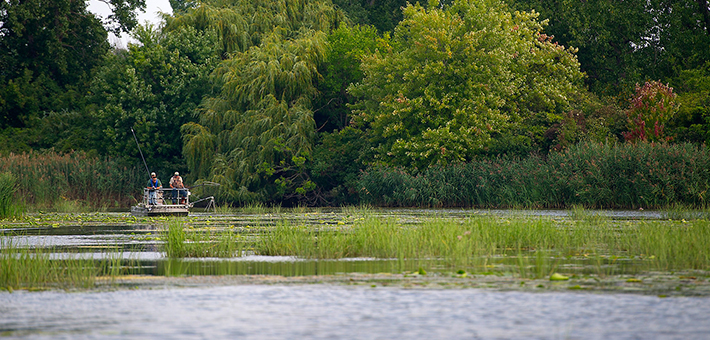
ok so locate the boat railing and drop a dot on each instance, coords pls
(167, 196)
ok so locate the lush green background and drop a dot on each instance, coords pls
(292, 101)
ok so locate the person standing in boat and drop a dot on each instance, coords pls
(178, 187)
(153, 186)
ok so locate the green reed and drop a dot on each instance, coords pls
(47, 180)
(671, 245)
(540, 245)
(8, 187)
(589, 174)
(24, 268)
(181, 240)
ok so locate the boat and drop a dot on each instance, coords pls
(165, 205)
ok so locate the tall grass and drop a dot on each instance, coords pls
(672, 246)
(592, 175)
(8, 187)
(24, 268)
(183, 241)
(540, 245)
(49, 179)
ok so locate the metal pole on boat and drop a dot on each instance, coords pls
(139, 150)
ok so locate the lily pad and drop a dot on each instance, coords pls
(558, 277)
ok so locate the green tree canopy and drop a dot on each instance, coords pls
(240, 24)
(123, 17)
(624, 42)
(256, 134)
(153, 88)
(346, 47)
(49, 50)
(453, 77)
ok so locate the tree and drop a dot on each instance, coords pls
(624, 42)
(346, 46)
(153, 88)
(48, 48)
(182, 6)
(241, 24)
(338, 155)
(381, 14)
(49, 51)
(692, 122)
(123, 15)
(681, 40)
(256, 134)
(453, 77)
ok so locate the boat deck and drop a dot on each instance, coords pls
(164, 204)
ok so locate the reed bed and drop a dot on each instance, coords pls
(8, 186)
(182, 240)
(53, 180)
(539, 245)
(592, 175)
(23, 268)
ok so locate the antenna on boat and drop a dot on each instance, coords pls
(139, 150)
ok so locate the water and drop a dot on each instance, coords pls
(313, 311)
(335, 312)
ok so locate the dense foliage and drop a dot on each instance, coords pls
(594, 175)
(49, 51)
(154, 88)
(452, 78)
(625, 42)
(255, 135)
(48, 179)
(292, 101)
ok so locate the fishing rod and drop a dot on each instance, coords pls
(139, 150)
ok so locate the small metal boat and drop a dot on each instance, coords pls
(165, 205)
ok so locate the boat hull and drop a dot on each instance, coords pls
(160, 210)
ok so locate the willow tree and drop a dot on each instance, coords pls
(454, 77)
(256, 135)
(241, 24)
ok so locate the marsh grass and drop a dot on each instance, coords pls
(24, 268)
(256, 208)
(182, 240)
(357, 210)
(593, 175)
(679, 212)
(75, 180)
(534, 247)
(8, 187)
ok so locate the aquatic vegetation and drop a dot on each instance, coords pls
(8, 187)
(25, 268)
(535, 246)
(581, 245)
(592, 175)
(48, 179)
(183, 241)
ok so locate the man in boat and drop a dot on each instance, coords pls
(178, 188)
(153, 186)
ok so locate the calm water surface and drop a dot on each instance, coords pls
(336, 312)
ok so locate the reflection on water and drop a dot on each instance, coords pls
(328, 312)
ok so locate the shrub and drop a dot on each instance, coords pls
(652, 106)
(589, 174)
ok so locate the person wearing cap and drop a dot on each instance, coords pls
(153, 186)
(177, 185)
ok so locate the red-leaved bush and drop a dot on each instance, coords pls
(652, 106)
